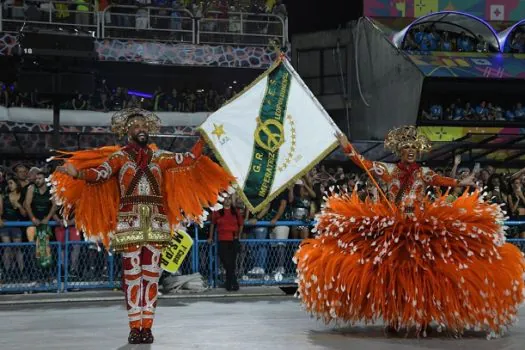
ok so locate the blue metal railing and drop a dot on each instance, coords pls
(95, 268)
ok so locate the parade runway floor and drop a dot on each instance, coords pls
(248, 323)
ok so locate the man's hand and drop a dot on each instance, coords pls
(210, 240)
(45, 221)
(343, 140)
(468, 181)
(273, 222)
(35, 221)
(68, 169)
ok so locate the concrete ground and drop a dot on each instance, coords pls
(270, 322)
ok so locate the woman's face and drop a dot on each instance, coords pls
(408, 154)
(227, 201)
(516, 184)
(496, 182)
(11, 185)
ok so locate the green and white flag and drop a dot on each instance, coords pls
(270, 135)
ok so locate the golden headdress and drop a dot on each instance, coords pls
(121, 120)
(401, 137)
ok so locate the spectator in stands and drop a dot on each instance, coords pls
(39, 206)
(173, 101)
(229, 223)
(516, 202)
(459, 112)
(303, 208)
(517, 198)
(83, 12)
(469, 112)
(12, 210)
(482, 111)
(482, 45)
(464, 43)
(436, 112)
(496, 190)
(434, 38)
(21, 172)
(519, 112)
(446, 43)
(80, 102)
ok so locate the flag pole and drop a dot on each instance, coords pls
(374, 181)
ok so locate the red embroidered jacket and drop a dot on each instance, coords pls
(141, 218)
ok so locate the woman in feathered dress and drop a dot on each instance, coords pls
(409, 260)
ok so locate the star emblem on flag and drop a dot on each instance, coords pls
(218, 130)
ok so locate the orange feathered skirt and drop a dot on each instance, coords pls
(447, 262)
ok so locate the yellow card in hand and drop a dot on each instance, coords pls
(173, 255)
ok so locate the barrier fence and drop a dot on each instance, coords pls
(141, 22)
(80, 265)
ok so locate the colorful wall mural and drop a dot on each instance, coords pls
(470, 64)
(490, 10)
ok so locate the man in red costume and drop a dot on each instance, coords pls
(148, 193)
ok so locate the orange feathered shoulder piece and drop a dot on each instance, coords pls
(189, 188)
(95, 205)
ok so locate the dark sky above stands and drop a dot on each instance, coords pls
(314, 15)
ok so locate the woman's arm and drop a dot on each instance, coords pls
(378, 169)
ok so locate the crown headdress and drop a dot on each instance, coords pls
(122, 120)
(401, 137)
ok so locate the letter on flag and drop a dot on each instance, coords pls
(270, 134)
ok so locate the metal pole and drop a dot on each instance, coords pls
(242, 25)
(111, 269)
(196, 249)
(56, 123)
(66, 260)
(59, 263)
(103, 24)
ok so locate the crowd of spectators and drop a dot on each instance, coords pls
(160, 15)
(106, 99)
(429, 38)
(25, 196)
(466, 111)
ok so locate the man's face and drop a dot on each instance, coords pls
(21, 173)
(408, 154)
(138, 131)
(40, 180)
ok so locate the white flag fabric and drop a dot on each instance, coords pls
(270, 134)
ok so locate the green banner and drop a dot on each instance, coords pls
(269, 137)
